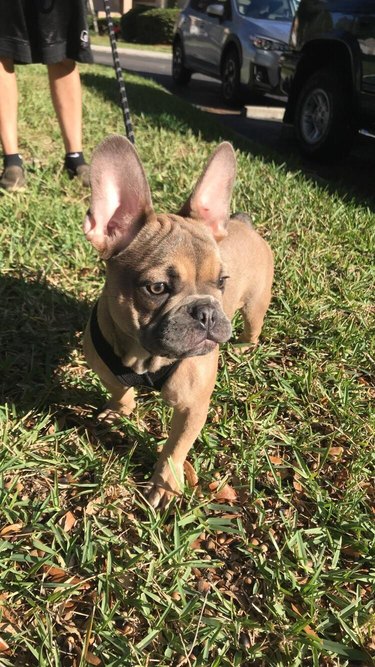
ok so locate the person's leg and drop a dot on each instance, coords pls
(12, 177)
(65, 86)
(8, 106)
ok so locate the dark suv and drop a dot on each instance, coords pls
(329, 75)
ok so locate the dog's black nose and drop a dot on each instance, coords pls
(205, 314)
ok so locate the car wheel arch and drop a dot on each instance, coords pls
(324, 124)
(177, 38)
(181, 74)
(325, 53)
(232, 44)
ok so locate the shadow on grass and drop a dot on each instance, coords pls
(40, 326)
(159, 106)
(352, 178)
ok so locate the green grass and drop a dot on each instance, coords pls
(89, 575)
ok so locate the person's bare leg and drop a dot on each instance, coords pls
(13, 177)
(65, 86)
(8, 106)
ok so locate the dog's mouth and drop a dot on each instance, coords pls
(205, 346)
(186, 345)
(192, 330)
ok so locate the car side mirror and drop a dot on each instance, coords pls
(215, 10)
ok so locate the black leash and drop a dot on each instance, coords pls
(118, 70)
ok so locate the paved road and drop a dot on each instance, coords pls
(355, 175)
(134, 60)
(202, 91)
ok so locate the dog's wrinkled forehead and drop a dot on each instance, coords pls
(178, 246)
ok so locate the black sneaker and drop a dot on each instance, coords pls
(13, 179)
(82, 172)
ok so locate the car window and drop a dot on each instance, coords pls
(277, 10)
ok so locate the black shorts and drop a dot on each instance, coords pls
(44, 31)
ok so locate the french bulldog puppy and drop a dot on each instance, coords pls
(173, 283)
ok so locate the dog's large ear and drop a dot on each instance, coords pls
(120, 196)
(210, 199)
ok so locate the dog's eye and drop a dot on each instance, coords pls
(157, 288)
(221, 282)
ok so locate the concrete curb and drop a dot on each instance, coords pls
(265, 113)
(132, 52)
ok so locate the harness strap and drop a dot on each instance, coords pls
(125, 375)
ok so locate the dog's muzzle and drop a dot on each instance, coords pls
(194, 328)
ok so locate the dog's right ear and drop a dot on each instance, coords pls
(210, 200)
(120, 196)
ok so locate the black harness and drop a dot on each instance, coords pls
(124, 374)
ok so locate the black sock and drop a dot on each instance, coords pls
(13, 160)
(74, 160)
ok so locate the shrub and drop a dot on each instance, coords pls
(156, 26)
(129, 23)
(103, 26)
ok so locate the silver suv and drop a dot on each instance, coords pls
(237, 41)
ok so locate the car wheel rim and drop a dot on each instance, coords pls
(229, 78)
(315, 116)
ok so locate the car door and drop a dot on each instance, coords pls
(195, 35)
(365, 33)
(203, 36)
(217, 30)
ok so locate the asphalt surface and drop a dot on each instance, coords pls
(261, 122)
(202, 91)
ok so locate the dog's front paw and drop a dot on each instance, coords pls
(165, 484)
(108, 416)
(114, 410)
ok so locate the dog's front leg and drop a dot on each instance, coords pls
(189, 391)
(168, 477)
(122, 402)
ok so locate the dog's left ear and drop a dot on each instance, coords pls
(210, 199)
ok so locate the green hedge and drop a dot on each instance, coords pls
(129, 23)
(156, 26)
(103, 26)
(149, 26)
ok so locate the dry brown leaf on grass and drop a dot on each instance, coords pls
(190, 475)
(4, 647)
(8, 616)
(351, 551)
(309, 631)
(297, 485)
(67, 521)
(226, 493)
(12, 528)
(276, 460)
(335, 452)
(203, 586)
(307, 628)
(92, 659)
(197, 543)
(58, 575)
(8, 628)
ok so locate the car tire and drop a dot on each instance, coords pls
(323, 118)
(180, 74)
(230, 77)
